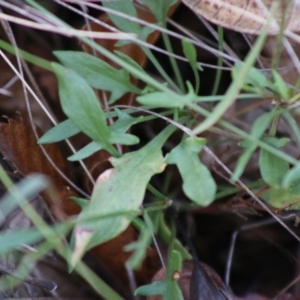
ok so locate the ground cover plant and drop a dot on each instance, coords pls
(148, 153)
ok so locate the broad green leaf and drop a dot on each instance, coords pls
(60, 132)
(159, 8)
(190, 53)
(120, 189)
(280, 197)
(98, 73)
(272, 168)
(167, 288)
(81, 105)
(198, 183)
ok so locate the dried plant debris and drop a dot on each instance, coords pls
(19, 147)
(249, 16)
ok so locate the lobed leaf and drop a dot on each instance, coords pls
(198, 183)
(120, 189)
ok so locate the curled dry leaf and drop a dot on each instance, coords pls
(19, 146)
(249, 16)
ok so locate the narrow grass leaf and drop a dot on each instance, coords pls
(234, 89)
(160, 99)
(28, 187)
(198, 184)
(120, 189)
(81, 105)
(98, 73)
(12, 240)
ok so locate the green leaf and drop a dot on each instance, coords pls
(80, 201)
(159, 8)
(272, 168)
(86, 151)
(291, 177)
(120, 189)
(198, 183)
(12, 240)
(275, 142)
(169, 287)
(124, 122)
(190, 53)
(81, 105)
(255, 77)
(123, 138)
(160, 99)
(28, 187)
(127, 7)
(280, 86)
(140, 246)
(259, 127)
(117, 136)
(68, 128)
(280, 197)
(60, 132)
(98, 73)
(129, 60)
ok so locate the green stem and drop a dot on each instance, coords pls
(173, 62)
